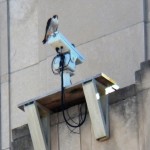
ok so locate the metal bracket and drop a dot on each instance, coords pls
(97, 103)
(39, 125)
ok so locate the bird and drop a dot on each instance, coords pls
(51, 27)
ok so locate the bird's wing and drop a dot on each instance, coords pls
(47, 27)
(48, 23)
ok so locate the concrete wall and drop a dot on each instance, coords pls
(102, 31)
(147, 28)
(21, 139)
(110, 34)
(129, 122)
(4, 78)
(123, 126)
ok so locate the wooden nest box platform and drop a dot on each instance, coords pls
(74, 94)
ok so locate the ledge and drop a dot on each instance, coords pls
(122, 94)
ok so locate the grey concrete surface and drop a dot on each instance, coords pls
(86, 139)
(5, 120)
(148, 10)
(129, 122)
(53, 81)
(68, 141)
(4, 84)
(23, 33)
(20, 132)
(80, 27)
(1, 1)
(43, 76)
(29, 83)
(143, 81)
(54, 138)
(43, 15)
(119, 95)
(3, 42)
(112, 35)
(23, 143)
(21, 138)
(123, 127)
(114, 55)
(97, 54)
(109, 33)
(145, 118)
(88, 20)
(143, 88)
(147, 27)
(148, 39)
(24, 85)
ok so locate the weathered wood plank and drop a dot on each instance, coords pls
(35, 127)
(95, 110)
(73, 94)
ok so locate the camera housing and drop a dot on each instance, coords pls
(72, 56)
(61, 44)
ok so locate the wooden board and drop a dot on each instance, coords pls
(73, 95)
(35, 126)
(98, 113)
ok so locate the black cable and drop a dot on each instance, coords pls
(54, 72)
(70, 118)
(58, 72)
(62, 95)
(80, 113)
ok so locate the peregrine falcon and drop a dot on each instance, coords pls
(51, 27)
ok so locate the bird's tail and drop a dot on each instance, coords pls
(44, 41)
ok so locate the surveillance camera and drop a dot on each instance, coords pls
(60, 42)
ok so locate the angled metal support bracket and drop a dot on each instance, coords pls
(97, 103)
(39, 125)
